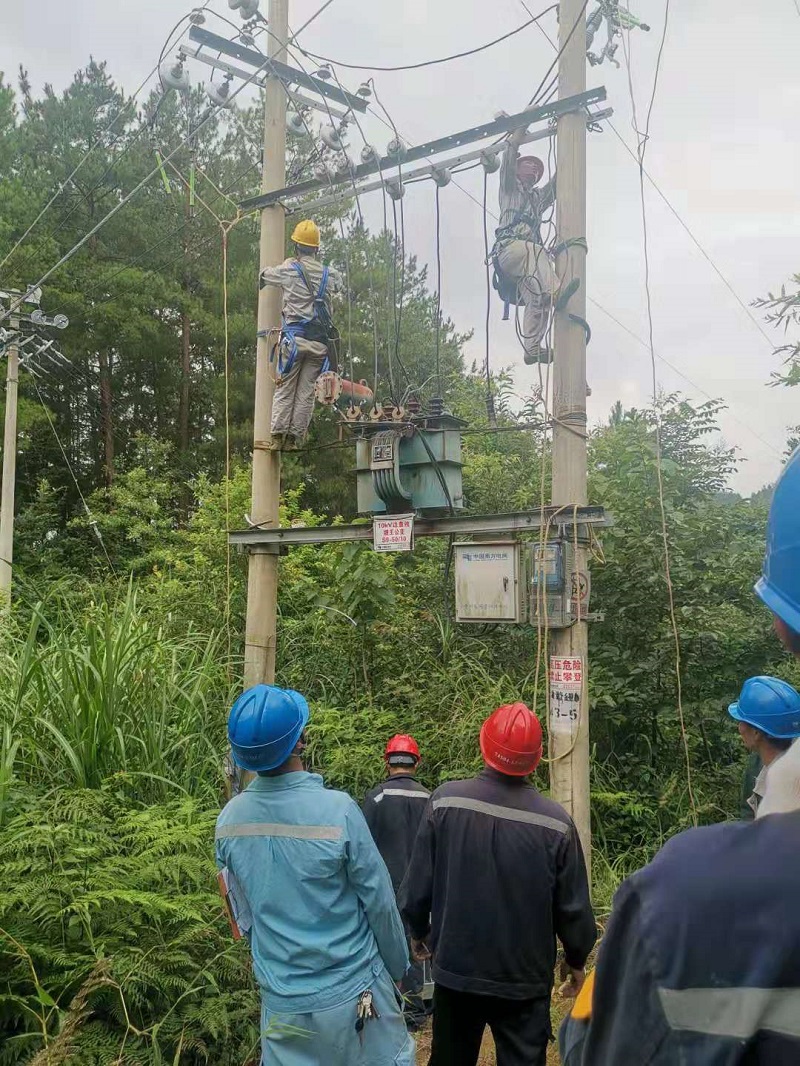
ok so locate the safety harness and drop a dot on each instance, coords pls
(507, 288)
(319, 327)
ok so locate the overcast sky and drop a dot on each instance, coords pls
(723, 149)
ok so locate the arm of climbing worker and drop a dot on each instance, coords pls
(416, 892)
(627, 1021)
(277, 276)
(367, 873)
(547, 195)
(574, 918)
(335, 280)
(508, 168)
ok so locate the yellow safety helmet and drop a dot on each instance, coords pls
(306, 233)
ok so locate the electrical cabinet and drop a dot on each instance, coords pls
(488, 581)
(551, 576)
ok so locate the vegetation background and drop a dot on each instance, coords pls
(124, 646)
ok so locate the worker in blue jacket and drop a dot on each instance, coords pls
(700, 963)
(314, 897)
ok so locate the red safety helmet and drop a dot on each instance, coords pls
(511, 740)
(402, 744)
(530, 167)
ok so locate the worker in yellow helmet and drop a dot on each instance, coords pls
(307, 333)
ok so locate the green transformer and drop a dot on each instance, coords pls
(413, 466)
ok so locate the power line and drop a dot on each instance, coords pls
(641, 150)
(96, 145)
(432, 62)
(118, 207)
(308, 22)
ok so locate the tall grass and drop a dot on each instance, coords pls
(107, 693)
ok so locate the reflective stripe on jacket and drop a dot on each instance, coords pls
(393, 810)
(700, 963)
(324, 912)
(496, 874)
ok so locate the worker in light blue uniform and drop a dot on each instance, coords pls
(327, 941)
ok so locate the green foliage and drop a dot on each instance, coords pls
(112, 945)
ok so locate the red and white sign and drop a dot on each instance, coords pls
(566, 685)
(394, 534)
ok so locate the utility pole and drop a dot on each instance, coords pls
(262, 584)
(9, 467)
(569, 774)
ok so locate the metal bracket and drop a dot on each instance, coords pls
(276, 68)
(441, 144)
(455, 525)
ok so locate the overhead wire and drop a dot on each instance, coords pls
(643, 137)
(125, 107)
(430, 62)
(211, 111)
(92, 521)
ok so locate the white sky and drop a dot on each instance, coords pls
(724, 149)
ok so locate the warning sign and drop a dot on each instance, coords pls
(566, 684)
(395, 534)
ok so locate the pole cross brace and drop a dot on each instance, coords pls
(442, 144)
(554, 518)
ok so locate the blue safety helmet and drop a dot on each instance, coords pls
(264, 726)
(779, 587)
(768, 704)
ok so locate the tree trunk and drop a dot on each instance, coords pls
(183, 406)
(106, 418)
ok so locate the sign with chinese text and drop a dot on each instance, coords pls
(566, 684)
(393, 534)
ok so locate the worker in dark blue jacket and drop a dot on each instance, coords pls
(393, 810)
(700, 964)
(497, 874)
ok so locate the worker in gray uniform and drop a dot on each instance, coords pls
(518, 252)
(393, 810)
(307, 333)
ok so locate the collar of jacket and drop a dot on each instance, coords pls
(283, 781)
(394, 777)
(488, 774)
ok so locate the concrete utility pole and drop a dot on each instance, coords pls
(570, 773)
(262, 585)
(9, 467)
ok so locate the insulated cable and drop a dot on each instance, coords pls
(430, 62)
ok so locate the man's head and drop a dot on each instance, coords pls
(768, 715)
(511, 740)
(779, 586)
(402, 754)
(266, 729)
(306, 238)
(529, 170)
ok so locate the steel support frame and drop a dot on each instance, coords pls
(431, 170)
(274, 66)
(556, 518)
(390, 164)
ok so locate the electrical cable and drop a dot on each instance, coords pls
(96, 145)
(534, 99)
(92, 521)
(430, 62)
(643, 138)
(438, 294)
(317, 13)
(490, 410)
(118, 207)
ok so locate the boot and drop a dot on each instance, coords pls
(290, 443)
(537, 354)
(277, 442)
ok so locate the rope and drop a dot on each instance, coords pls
(438, 292)
(224, 230)
(642, 141)
(490, 411)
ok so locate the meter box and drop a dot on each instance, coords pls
(551, 569)
(488, 581)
